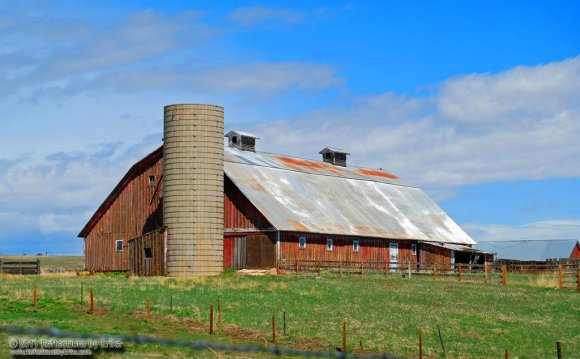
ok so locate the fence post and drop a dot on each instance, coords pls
(35, 296)
(578, 279)
(297, 266)
(460, 272)
(318, 267)
(504, 274)
(148, 310)
(273, 329)
(362, 270)
(91, 302)
(409, 267)
(559, 350)
(386, 267)
(284, 325)
(211, 319)
(1, 270)
(219, 301)
(344, 337)
(560, 278)
(340, 268)
(420, 345)
(433, 269)
(38, 266)
(485, 271)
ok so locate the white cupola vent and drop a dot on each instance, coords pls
(242, 140)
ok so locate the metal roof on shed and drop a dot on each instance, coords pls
(530, 250)
(311, 196)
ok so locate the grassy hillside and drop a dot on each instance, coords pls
(385, 314)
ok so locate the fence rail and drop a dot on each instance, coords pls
(12, 266)
(567, 272)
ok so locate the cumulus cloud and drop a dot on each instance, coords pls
(515, 94)
(431, 146)
(552, 229)
(57, 193)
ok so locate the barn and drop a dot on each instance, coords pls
(196, 206)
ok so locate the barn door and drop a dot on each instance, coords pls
(239, 252)
(394, 256)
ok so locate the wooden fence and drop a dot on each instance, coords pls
(13, 266)
(568, 272)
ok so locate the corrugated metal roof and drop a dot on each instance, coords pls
(311, 196)
(456, 247)
(530, 250)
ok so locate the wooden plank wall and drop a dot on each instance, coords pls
(371, 249)
(433, 254)
(239, 212)
(137, 210)
(251, 251)
(142, 266)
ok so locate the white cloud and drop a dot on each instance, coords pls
(520, 93)
(268, 77)
(58, 223)
(551, 229)
(255, 15)
(59, 192)
(416, 139)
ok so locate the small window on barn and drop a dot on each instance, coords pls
(329, 244)
(147, 253)
(119, 245)
(151, 180)
(414, 249)
(302, 243)
(355, 246)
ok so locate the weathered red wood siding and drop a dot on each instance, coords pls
(241, 219)
(371, 249)
(136, 210)
(239, 212)
(432, 254)
(154, 265)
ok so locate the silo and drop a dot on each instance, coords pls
(193, 177)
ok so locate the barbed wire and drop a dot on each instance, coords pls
(198, 345)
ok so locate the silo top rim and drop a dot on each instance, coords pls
(191, 105)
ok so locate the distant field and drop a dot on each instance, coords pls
(385, 314)
(53, 263)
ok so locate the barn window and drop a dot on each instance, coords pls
(147, 253)
(414, 249)
(329, 244)
(151, 180)
(355, 246)
(302, 243)
(119, 245)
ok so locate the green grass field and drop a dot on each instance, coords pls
(52, 263)
(477, 320)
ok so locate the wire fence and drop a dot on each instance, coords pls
(198, 345)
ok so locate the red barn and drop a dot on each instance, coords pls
(277, 207)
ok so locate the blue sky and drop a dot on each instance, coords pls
(477, 103)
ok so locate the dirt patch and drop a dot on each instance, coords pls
(241, 333)
(257, 272)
